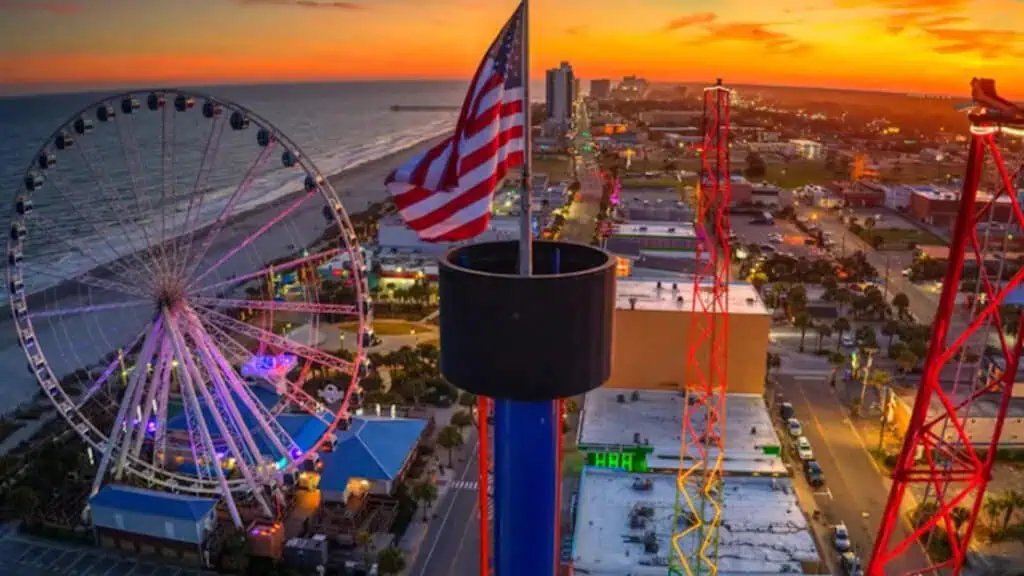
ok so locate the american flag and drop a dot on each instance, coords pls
(445, 193)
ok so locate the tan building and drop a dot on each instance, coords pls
(653, 322)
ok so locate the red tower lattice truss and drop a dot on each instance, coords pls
(698, 501)
(940, 477)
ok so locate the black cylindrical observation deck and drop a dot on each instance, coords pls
(513, 337)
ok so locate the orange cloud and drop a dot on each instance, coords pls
(576, 31)
(757, 33)
(691, 20)
(989, 44)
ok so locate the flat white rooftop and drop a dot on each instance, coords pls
(659, 230)
(743, 298)
(762, 529)
(657, 417)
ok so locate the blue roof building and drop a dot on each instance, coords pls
(152, 514)
(370, 456)
(304, 429)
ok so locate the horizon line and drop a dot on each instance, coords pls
(9, 91)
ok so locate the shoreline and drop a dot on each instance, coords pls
(359, 189)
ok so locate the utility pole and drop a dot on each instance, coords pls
(886, 392)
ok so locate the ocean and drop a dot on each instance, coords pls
(121, 186)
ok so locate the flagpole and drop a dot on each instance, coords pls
(526, 196)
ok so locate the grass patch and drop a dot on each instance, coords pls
(393, 327)
(573, 461)
(555, 166)
(902, 235)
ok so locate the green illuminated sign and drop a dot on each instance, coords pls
(628, 459)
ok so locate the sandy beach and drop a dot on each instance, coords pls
(76, 341)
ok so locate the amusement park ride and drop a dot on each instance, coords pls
(125, 239)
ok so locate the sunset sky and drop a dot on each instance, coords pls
(914, 45)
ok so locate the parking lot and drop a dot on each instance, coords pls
(751, 233)
(28, 557)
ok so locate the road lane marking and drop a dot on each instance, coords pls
(827, 492)
(447, 512)
(462, 544)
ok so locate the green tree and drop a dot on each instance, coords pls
(462, 419)
(841, 326)
(902, 304)
(26, 501)
(891, 328)
(993, 506)
(773, 362)
(450, 438)
(1012, 501)
(364, 540)
(959, 515)
(468, 400)
(425, 492)
(390, 561)
(756, 167)
(803, 321)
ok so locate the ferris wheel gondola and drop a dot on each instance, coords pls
(141, 235)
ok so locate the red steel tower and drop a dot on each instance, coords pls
(940, 477)
(698, 495)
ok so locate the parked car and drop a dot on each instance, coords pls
(793, 425)
(786, 410)
(849, 340)
(851, 564)
(841, 537)
(803, 448)
(813, 473)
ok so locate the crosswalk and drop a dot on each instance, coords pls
(465, 485)
(474, 485)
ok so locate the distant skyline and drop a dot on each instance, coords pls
(932, 46)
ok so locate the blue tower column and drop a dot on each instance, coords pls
(525, 480)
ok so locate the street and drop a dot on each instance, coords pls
(855, 490)
(452, 543)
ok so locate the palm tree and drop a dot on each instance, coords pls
(773, 362)
(842, 298)
(1012, 500)
(462, 419)
(390, 561)
(993, 506)
(901, 302)
(841, 326)
(803, 321)
(907, 361)
(959, 515)
(890, 329)
(364, 540)
(425, 492)
(450, 438)
(824, 331)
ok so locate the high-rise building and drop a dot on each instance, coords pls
(561, 92)
(600, 89)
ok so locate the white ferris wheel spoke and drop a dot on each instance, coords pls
(268, 271)
(301, 350)
(253, 237)
(88, 309)
(183, 239)
(225, 213)
(152, 393)
(301, 307)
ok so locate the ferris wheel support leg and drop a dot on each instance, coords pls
(134, 402)
(212, 359)
(160, 436)
(148, 348)
(151, 394)
(189, 394)
(255, 407)
(222, 425)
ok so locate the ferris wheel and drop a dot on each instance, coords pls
(163, 277)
